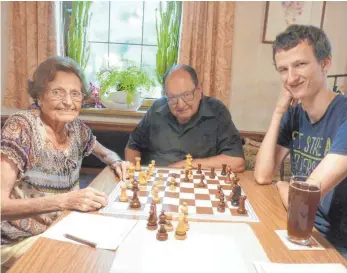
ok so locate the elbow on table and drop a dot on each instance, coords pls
(262, 179)
(239, 166)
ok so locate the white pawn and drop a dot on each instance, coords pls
(172, 184)
(184, 208)
(123, 196)
(138, 164)
(161, 182)
(169, 226)
(155, 193)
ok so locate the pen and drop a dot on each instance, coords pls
(80, 240)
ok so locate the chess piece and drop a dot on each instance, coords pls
(235, 200)
(123, 196)
(130, 185)
(190, 174)
(172, 183)
(221, 204)
(162, 218)
(184, 208)
(131, 172)
(150, 170)
(181, 233)
(169, 226)
(138, 164)
(201, 183)
(162, 234)
(224, 169)
(199, 169)
(142, 178)
(230, 196)
(235, 179)
(135, 202)
(242, 209)
(186, 222)
(219, 188)
(155, 192)
(186, 178)
(161, 182)
(152, 219)
(153, 164)
(212, 173)
(228, 179)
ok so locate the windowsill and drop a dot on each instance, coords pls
(147, 103)
(111, 112)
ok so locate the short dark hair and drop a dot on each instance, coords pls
(184, 67)
(47, 70)
(296, 34)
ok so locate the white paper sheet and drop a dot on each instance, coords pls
(299, 268)
(209, 247)
(108, 232)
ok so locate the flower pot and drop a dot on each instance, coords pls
(117, 100)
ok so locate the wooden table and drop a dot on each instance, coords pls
(51, 256)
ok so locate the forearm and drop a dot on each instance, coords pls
(266, 157)
(237, 164)
(13, 209)
(105, 155)
(131, 154)
(329, 172)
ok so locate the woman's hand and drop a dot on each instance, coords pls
(88, 199)
(121, 168)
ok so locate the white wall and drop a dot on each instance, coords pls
(255, 84)
(3, 46)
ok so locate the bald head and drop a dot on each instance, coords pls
(179, 70)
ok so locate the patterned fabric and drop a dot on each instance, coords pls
(32, 38)
(44, 170)
(206, 44)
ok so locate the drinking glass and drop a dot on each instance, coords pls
(303, 199)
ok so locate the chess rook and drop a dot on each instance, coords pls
(224, 169)
(242, 209)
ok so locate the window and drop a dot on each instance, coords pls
(122, 30)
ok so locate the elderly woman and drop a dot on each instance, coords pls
(42, 151)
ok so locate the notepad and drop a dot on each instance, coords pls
(299, 268)
(106, 232)
(209, 247)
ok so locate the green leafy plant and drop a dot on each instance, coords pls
(168, 29)
(128, 78)
(78, 47)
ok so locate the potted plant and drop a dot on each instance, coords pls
(168, 23)
(120, 87)
(77, 46)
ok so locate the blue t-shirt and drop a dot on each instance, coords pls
(309, 143)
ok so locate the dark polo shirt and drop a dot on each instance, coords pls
(210, 132)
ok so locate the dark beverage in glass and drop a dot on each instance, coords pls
(303, 202)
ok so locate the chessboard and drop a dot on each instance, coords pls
(202, 202)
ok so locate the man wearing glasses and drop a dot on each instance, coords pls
(186, 122)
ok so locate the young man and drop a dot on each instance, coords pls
(186, 122)
(314, 132)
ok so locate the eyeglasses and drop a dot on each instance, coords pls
(60, 93)
(186, 97)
